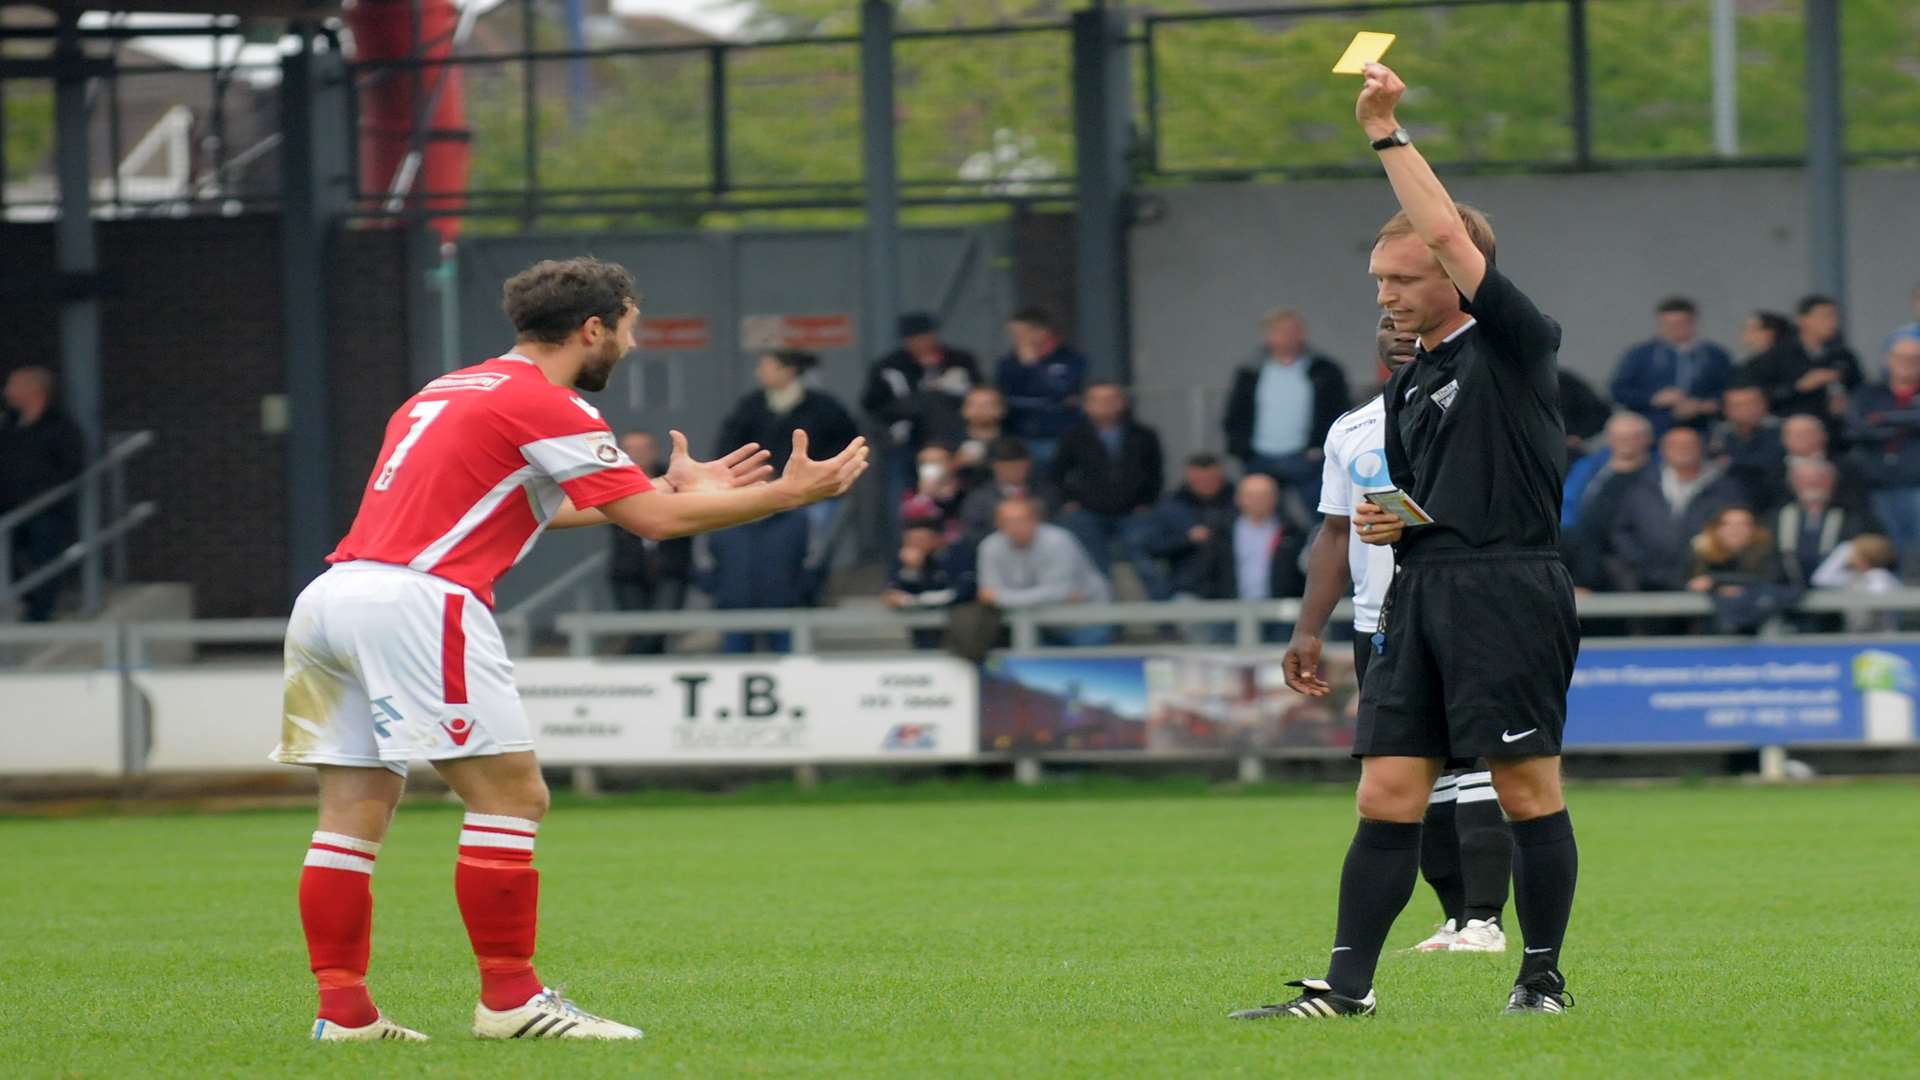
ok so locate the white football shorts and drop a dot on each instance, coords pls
(385, 664)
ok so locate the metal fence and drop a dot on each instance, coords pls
(984, 114)
(865, 629)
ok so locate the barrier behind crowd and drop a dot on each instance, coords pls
(141, 703)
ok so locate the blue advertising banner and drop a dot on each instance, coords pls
(1752, 694)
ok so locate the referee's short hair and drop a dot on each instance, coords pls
(1479, 229)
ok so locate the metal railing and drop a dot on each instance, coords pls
(519, 622)
(130, 644)
(99, 529)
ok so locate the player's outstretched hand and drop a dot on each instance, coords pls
(747, 465)
(1378, 95)
(1377, 526)
(1301, 666)
(813, 480)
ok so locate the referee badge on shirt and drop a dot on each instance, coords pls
(1444, 396)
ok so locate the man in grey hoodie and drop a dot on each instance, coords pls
(1028, 563)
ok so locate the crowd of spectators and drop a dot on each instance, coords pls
(1748, 479)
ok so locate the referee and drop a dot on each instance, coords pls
(1478, 636)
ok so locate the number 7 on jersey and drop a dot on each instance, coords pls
(422, 414)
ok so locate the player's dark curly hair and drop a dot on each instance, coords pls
(551, 299)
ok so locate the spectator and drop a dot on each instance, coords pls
(1042, 379)
(1812, 524)
(41, 448)
(935, 498)
(1747, 442)
(770, 415)
(1675, 377)
(648, 575)
(1028, 563)
(982, 421)
(1109, 472)
(1257, 555)
(1185, 523)
(759, 565)
(1911, 329)
(1583, 412)
(1864, 565)
(783, 404)
(1762, 331)
(1811, 371)
(1281, 406)
(1805, 439)
(1885, 426)
(914, 392)
(928, 574)
(1663, 510)
(1731, 553)
(1012, 477)
(1628, 449)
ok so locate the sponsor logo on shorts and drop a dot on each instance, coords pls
(912, 737)
(385, 713)
(458, 729)
(1513, 737)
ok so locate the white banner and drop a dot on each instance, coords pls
(211, 718)
(622, 712)
(776, 710)
(60, 723)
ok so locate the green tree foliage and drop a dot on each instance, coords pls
(29, 124)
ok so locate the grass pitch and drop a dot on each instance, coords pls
(1719, 931)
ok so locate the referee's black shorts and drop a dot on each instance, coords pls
(1479, 654)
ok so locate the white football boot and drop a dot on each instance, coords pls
(547, 1015)
(1442, 939)
(381, 1028)
(1479, 935)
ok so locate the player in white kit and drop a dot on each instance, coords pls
(392, 654)
(1466, 846)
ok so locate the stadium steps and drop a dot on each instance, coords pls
(144, 602)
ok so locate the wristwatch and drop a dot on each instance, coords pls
(1398, 137)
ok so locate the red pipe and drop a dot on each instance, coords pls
(389, 100)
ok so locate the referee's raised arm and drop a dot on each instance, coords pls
(1420, 192)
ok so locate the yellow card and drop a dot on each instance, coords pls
(1367, 48)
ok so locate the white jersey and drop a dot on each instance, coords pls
(1356, 464)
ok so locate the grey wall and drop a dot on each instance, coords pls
(1595, 251)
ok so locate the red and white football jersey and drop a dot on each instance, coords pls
(473, 467)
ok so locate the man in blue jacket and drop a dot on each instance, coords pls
(1042, 379)
(1675, 377)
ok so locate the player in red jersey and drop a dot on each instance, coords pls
(393, 653)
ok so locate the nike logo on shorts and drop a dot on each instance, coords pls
(1511, 737)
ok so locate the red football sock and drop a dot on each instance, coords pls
(499, 893)
(336, 910)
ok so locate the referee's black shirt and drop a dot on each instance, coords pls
(1474, 432)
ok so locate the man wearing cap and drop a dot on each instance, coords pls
(915, 389)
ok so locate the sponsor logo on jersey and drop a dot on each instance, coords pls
(1444, 396)
(484, 380)
(458, 729)
(912, 737)
(1369, 470)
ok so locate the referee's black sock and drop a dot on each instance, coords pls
(1440, 860)
(1375, 884)
(1545, 864)
(1486, 857)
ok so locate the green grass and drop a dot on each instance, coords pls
(1720, 931)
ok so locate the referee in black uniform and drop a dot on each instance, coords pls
(1479, 625)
